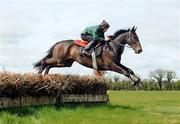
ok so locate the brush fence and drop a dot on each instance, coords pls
(32, 89)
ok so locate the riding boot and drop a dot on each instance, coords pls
(88, 47)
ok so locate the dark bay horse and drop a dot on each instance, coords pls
(64, 53)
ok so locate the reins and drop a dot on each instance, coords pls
(123, 44)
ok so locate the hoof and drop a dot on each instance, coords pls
(136, 83)
(136, 80)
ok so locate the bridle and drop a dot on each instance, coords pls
(120, 45)
(123, 44)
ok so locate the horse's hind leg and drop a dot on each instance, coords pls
(67, 63)
(50, 61)
(48, 67)
(41, 69)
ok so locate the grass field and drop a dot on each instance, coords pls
(125, 107)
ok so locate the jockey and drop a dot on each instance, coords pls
(94, 34)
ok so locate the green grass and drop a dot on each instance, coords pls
(125, 107)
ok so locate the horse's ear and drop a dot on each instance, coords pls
(133, 29)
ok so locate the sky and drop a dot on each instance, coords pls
(28, 28)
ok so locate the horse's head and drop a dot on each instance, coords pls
(133, 41)
(124, 36)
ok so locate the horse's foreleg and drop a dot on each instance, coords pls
(120, 70)
(133, 77)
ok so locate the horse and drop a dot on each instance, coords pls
(64, 53)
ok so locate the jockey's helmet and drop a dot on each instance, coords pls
(104, 24)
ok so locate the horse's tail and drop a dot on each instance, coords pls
(49, 55)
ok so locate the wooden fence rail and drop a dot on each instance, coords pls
(45, 100)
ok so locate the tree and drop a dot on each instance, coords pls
(158, 74)
(169, 76)
(116, 79)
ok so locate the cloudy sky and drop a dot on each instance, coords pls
(28, 28)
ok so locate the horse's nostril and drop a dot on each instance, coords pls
(139, 51)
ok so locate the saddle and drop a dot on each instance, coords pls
(97, 49)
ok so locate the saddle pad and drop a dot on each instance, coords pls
(81, 43)
(98, 48)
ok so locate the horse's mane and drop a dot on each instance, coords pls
(118, 32)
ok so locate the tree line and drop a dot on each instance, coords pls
(159, 79)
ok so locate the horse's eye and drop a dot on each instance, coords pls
(133, 43)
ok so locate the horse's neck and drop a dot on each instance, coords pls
(118, 44)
